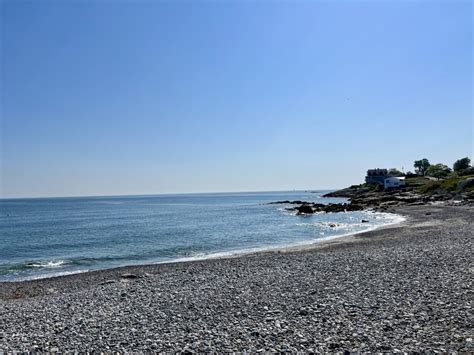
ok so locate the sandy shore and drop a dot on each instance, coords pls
(406, 287)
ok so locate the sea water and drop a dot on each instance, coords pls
(46, 237)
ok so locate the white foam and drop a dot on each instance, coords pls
(394, 219)
(48, 264)
(53, 274)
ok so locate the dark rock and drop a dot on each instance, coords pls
(305, 209)
(303, 312)
(287, 202)
(465, 184)
(333, 207)
(129, 276)
(467, 195)
(354, 207)
(106, 282)
(364, 221)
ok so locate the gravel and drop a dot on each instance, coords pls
(402, 288)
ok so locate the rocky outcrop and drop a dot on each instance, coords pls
(371, 197)
(363, 197)
(311, 207)
(288, 202)
(466, 184)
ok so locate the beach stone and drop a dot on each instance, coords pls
(128, 276)
(106, 282)
(303, 312)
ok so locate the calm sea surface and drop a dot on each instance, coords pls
(57, 236)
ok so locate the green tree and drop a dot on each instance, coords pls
(461, 164)
(421, 166)
(395, 172)
(438, 171)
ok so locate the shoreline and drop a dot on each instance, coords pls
(297, 246)
(402, 287)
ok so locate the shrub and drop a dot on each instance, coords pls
(429, 187)
(416, 180)
(450, 184)
(395, 172)
(438, 171)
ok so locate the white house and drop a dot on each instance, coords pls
(393, 182)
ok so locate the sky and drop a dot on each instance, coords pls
(112, 97)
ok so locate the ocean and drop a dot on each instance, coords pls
(46, 237)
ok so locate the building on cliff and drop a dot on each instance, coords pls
(376, 176)
(393, 182)
(383, 178)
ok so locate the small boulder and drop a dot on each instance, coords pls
(129, 276)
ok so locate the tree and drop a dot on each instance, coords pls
(461, 164)
(395, 172)
(438, 171)
(421, 166)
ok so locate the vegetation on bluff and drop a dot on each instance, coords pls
(423, 167)
(456, 180)
(431, 180)
(455, 184)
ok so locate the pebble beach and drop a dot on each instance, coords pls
(406, 287)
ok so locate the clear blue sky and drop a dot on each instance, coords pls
(141, 97)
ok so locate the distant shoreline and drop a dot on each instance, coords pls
(165, 194)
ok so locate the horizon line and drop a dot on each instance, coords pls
(165, 194)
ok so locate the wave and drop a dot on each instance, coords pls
(31, 266)
(45, 264)
(53, 274)
(40, 266)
